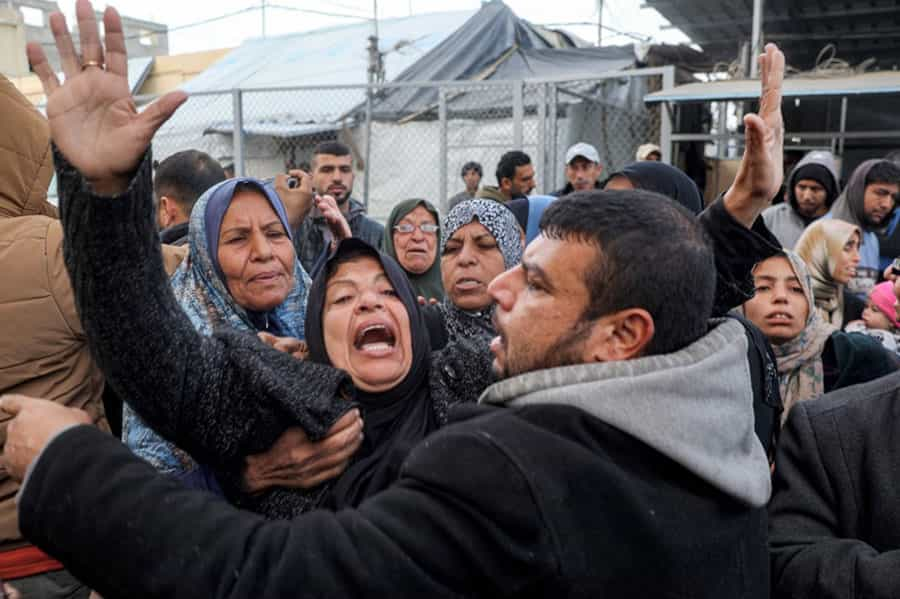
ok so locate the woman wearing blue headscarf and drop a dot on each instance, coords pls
(241, 272)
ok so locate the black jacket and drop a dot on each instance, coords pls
(569, 189)
(539, 501)
(176, 234)
(835, 513)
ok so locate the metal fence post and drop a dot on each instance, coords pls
(542, 137)
(554, 135)
(518, 113)
(665, 117)
(368, 161)
(442, 152)
(238, 132)
(843, 127)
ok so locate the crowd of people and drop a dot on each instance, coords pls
(233, 387)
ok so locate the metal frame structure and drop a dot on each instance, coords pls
(547, 107)
(859, 28)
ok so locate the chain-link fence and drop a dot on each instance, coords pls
(411, 140)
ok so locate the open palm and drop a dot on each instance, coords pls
(763, 164)
(93, 118)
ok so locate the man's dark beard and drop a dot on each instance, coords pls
(568, 350)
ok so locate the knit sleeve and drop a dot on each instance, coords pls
(220, 398)
(737, 250)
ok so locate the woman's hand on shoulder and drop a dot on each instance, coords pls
(296, 462)
(289, 345)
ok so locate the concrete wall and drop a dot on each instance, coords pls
(142, 38)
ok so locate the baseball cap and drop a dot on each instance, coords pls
(584, 150)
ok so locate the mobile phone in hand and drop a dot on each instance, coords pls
(895, 266)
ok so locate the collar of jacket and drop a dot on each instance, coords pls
(694, 406)
(176, 234)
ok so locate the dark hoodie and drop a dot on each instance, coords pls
(850, 207)
(783, 220)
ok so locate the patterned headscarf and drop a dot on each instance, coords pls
(819, 247)
(199, 286)
(801, 375)
(200, 289)
(494, 217)
(501, 224)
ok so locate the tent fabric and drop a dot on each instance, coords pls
(332, 56)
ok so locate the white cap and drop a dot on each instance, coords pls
(584, 150)
(645, 150)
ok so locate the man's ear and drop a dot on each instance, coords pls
(505, 184)
(169, 211)
(620, 336)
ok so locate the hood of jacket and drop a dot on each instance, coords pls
(850, 206)
(823, 159)
(490, 192)
(26, 163)
(694, 406)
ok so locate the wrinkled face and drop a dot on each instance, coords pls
(879, 201)
(540, 304)
(255, 253)
(522, 182)
(416, 251)
(333, 175)
(582, 173)
(811, 198)
(472, 180)
(779, 309)
(847, 261)
(366, 326)
(875, 318)
(470, 262)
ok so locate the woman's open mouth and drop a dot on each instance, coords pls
(375, 339)
(779, 318)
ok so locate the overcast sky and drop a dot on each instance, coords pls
(624, 15)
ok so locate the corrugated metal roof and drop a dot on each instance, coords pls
(886, 82)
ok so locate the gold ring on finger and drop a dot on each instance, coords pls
(91, 63)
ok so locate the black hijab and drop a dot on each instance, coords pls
(394, 420)
(663, 178)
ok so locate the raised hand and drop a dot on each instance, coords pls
(762, 166)
(297, 200)
(93, 118)
(337, 224)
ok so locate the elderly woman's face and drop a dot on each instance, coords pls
(470, 262)
(416, 250)
(366, 326)
(255, 253)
